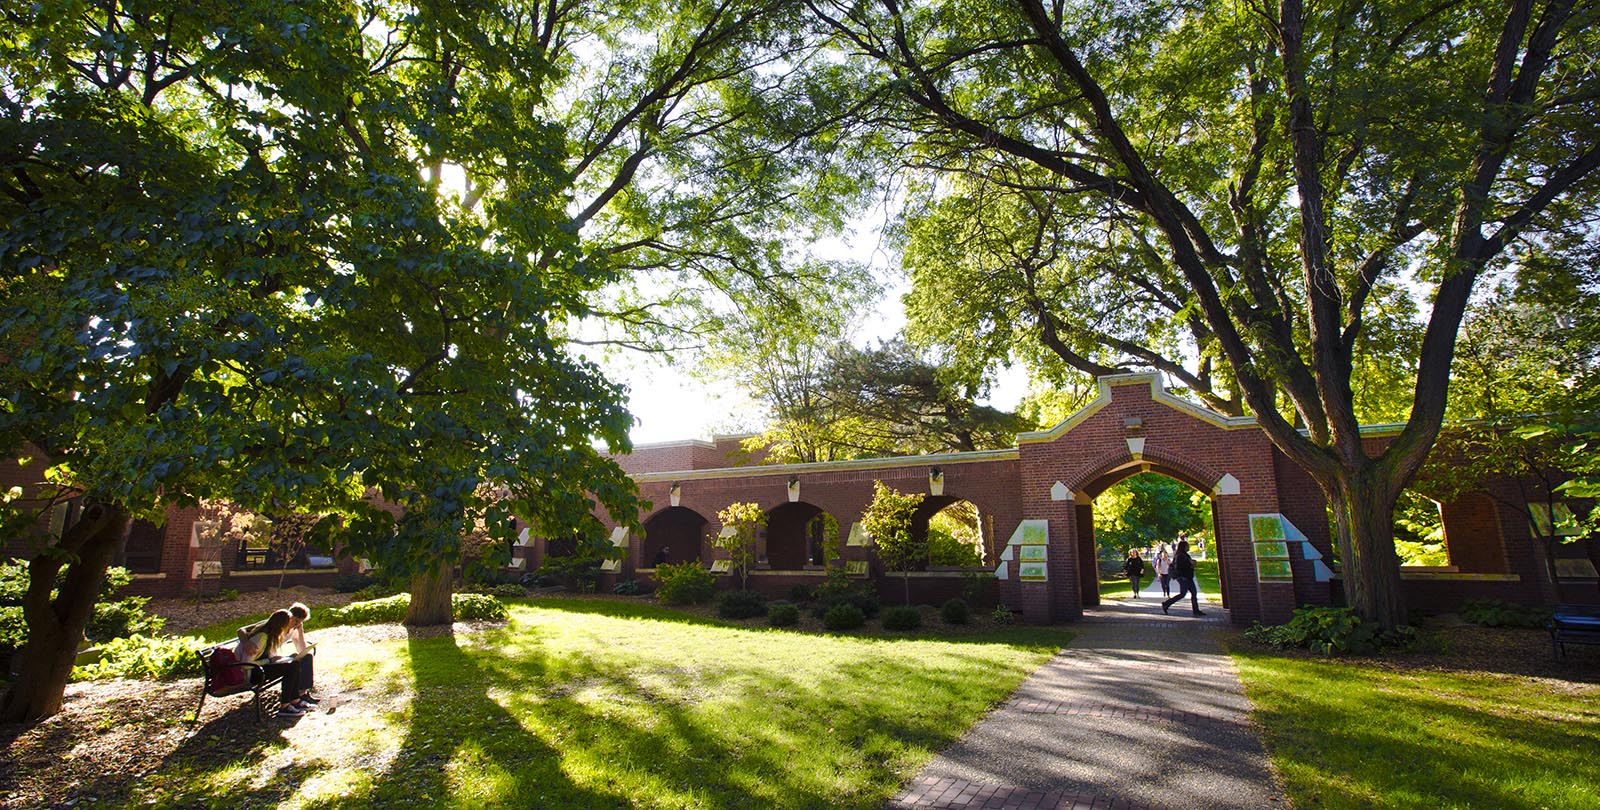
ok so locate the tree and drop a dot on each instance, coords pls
(740, 524)
(231, 271)
(837, 402)
(888, 521)
(1292, 171)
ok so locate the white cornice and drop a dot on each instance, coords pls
(1158, 393)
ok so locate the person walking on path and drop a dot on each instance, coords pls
(1134, 568)
(1163, 566)
(1183, 570)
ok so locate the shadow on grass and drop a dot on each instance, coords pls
(1426, 739)
(461, 747)
(1030, 638)
(502, 719)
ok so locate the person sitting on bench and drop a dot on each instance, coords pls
(260, 642)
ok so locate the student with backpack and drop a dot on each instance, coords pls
(1183, 572)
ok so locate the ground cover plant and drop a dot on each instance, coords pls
(1480, 718)
(596, 702)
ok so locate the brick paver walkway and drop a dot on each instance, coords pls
(1142, 711)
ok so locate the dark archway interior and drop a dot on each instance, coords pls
(793, 542)
(677, 531)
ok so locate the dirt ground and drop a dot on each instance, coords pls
(111, 734)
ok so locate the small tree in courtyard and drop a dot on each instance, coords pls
(744, 520)
(888, 520)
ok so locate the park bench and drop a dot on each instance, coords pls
(225, 675)
(1573, 624)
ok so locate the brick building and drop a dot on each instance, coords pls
(1035, 519)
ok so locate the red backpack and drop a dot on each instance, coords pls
(224, 674)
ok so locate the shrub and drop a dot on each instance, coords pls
(801, 592)
(684, 583)
(783, 614)
(1003, 615)
(122, 619)
(113, 618)
(392, 610)
(351, 583)
(144, 657)
(1330, 631)
(840, 591)
(843, 616)
(476, 607)
(1495, 613)
(376, 590)
(954, 611)
(504, 590)
(13, 629)
(740, 605)
(628, 587)
(902, 617)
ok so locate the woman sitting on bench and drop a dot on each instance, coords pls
(259, 643)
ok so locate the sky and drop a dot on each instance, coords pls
(670, 405)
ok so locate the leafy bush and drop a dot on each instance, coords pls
(1495, 613)
(839, 590)
(902, 617)
(13, 628)
(392, 610)
(801, 592)
(476, 607)
(740, 605)
(1003, 615)
(507, 590)
(628, 587)
(843, 616)
(351, 583)
(376, 590)
(1330, 631)
(783, 614)
(973, 584)
(945, 548)
(684, 583)
(144, 658)
(113, 618)
(954, 611)
(122, 619)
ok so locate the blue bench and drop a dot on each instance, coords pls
(1573, 624)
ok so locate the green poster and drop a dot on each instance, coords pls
(1277, 550)
(1266, 527)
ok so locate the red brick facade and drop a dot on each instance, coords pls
(1133, 426)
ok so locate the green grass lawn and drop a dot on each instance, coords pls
(1345, 734)
(579, 704)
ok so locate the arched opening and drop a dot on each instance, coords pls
(954, 529)
(1419, 539)
(673, 535)
(1147, 509)
(796, 534)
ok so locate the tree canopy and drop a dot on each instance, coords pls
(1252, 198)
(233, 269)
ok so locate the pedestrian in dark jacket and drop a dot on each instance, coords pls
(1134, 568)
(1183, 572)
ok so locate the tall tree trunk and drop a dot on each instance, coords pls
(430, 598)
(55, 626)
(1363, 513)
